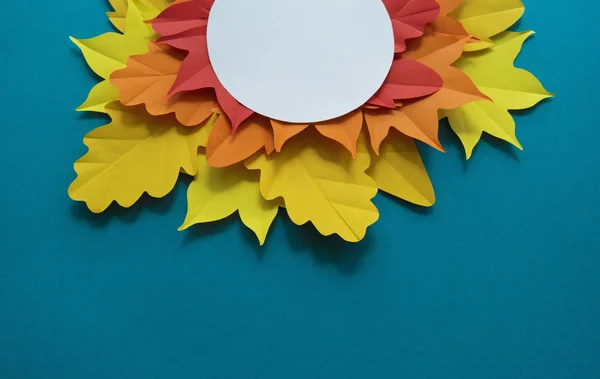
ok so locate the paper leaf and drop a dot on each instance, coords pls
(409, 18)
(494, 73)
(344, 130)
(109, 52)
(197, 73)
(117, 17)
(447, 6)
(135, 153)
(182, 16)
(283, 131)
(148, 9)
(147, 80)
(225, 148)
(485, 19)
(436, 50)
(101, 94)
(216, 194)
(470, 120)
(419, 119)
(476, 45)
(399, 171)
(407, 79)
(321, 183)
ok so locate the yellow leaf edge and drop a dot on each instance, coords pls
(469, 148)
(258, 222)
(202, 131)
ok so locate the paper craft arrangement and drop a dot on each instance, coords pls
(308, 107)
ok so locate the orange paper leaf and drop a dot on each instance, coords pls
(419, 119)
(344, 130)
(283, 131)
(147, 80)
(225, 149)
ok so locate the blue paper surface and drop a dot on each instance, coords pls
(501, 279)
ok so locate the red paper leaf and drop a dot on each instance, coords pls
(407, 79)
(409, 18)
(183, 16)
(196, 73)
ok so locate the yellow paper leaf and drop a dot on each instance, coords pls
(493, 72)
(102, 94)
(217, 193)
(470, 120)
(149, 9)
(509, 88)
(135, 153)
(484, 19)
(399, 171)
(109, 52)
(320, 182)
(477, 46)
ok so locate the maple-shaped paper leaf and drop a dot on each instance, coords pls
(485, 19)
(109, 52)
(135, 153)
(283, 131)
(182, 16)
(399, 171)
(419, 119)
(321, 183)
(345, 130)
(225, 148)
(409, 18)
(436, 50)
(216, 194)
(494, 73)
(148, 8)
(471, 120)
(100, 95)
(407, 79)
(445, 27)
(147, 80)
(183, 26)
(509, 88)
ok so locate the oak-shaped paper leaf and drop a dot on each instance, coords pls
(217, 193)
(109, 52)
(224, 148)
(133, 154)
(147, 80)
(320, 183)
(180, 29)
(399, 171)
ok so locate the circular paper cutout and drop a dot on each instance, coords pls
(301, 61)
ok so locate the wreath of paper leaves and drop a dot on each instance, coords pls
(171, 116)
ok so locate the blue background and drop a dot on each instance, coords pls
(501, 279)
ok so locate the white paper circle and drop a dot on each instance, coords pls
(301, 61)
